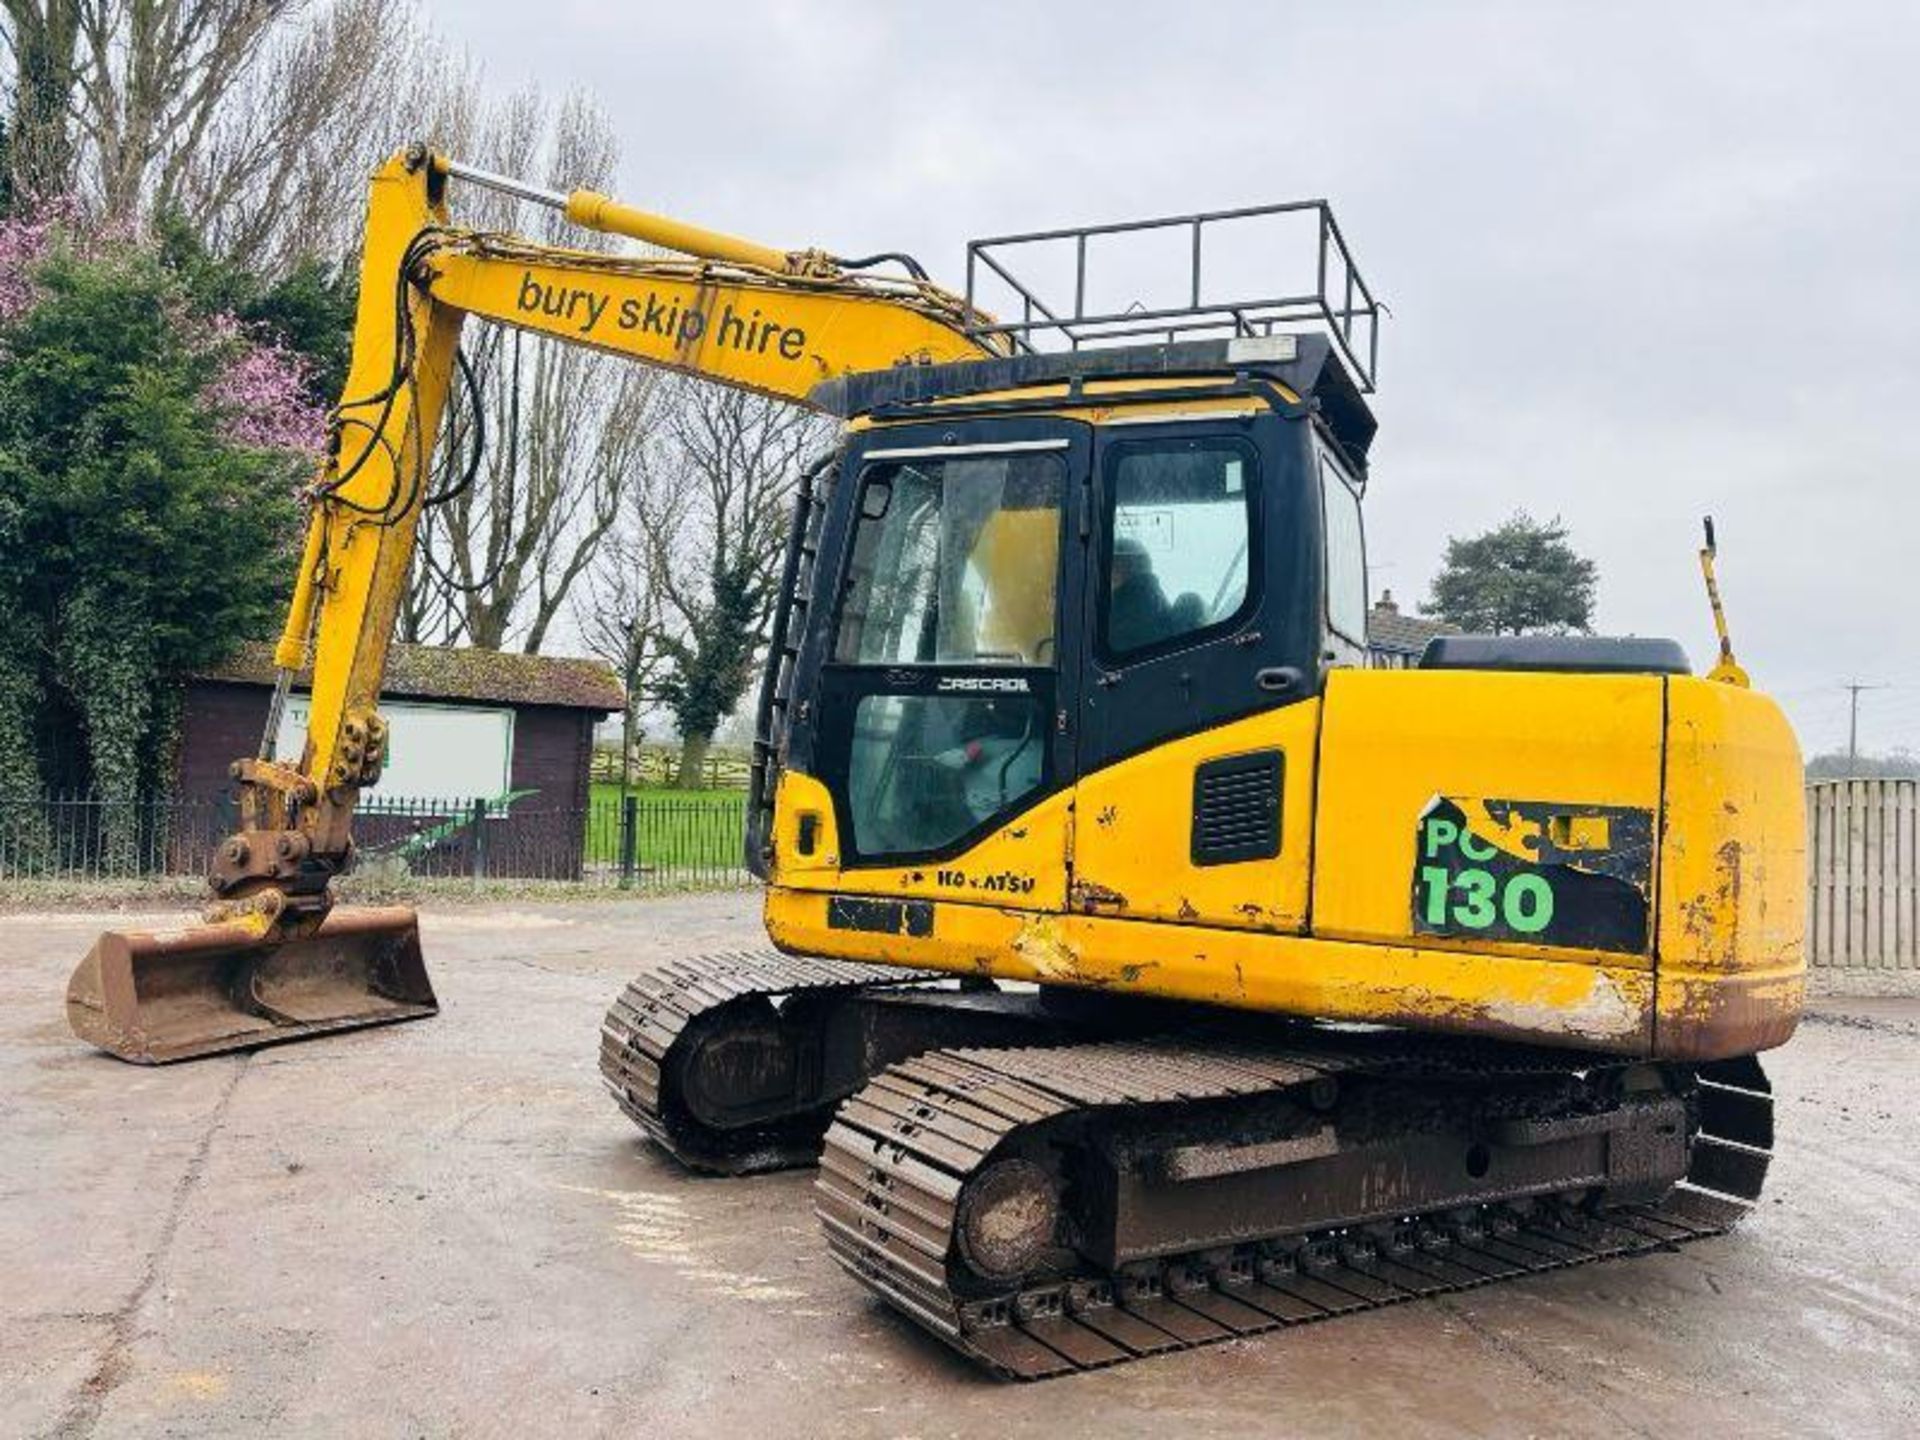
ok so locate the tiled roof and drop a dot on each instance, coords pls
(1388, 629)
(445, 672)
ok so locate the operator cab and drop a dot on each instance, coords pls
(1032, 568)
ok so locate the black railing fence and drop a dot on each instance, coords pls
(634, 841)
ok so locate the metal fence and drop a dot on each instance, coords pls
(1863, 849)
(1863, 909)
(636, 841)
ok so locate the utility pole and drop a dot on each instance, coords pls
(1853, 690)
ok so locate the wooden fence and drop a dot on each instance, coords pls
(659, 766)
(1863, 902)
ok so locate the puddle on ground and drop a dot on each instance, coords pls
(659, 1229)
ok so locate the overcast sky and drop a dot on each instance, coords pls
(1645, 261)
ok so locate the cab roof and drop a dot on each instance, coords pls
(1304, 364)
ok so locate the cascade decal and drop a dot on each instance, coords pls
(983, 684)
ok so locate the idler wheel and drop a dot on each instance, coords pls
(1008, 1215)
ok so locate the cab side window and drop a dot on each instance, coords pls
(1179, 530)
(1346, 555)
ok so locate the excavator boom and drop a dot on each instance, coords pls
(271, 963)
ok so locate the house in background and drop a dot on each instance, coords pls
(465, 725)
(1396, 641)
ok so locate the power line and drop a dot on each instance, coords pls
(1906, 707)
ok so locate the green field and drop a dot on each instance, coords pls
(677, 829)
(607, 792)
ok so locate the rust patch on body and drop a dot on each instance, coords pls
(1711, 918)
(1042, 943)
(1717, 1018)
(1091, 893)
(1605, 1014)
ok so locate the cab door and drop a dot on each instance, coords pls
(947, 679)
(1199, 694)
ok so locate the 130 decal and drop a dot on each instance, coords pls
(1554, 874)
(1477, 898)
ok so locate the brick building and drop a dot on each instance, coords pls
(514, 731)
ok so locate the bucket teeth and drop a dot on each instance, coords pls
(152, 998)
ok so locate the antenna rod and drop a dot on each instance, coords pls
(1727, 669)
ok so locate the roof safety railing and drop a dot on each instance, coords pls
(1340, 303)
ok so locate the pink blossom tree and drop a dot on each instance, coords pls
(154, 443)
(260, 397)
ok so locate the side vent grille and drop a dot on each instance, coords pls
(1236, 808)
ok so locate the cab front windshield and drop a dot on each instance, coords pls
(955, 565)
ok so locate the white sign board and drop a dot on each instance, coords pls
(434, 752)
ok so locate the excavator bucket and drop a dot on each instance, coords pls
(152, 998)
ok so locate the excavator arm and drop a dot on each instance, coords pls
(269, 964)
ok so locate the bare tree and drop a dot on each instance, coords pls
(278, 171)
(151, 82)
(713, 520)
(42, 40)
(620, 613)
(255, 121)
(565, 425)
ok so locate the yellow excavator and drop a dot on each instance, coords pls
(1146, 970)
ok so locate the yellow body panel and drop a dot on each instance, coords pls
(1601, 1007)
(1132, 856)
(1395, 739)
(1023, 860)
(1570, 762)
(1120, 407)
(1733, 892)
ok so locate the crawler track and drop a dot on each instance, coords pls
(665, 1007)
(901, 1150)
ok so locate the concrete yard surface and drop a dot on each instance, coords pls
(447, 1228)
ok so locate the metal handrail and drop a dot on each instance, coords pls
(1350, 318)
